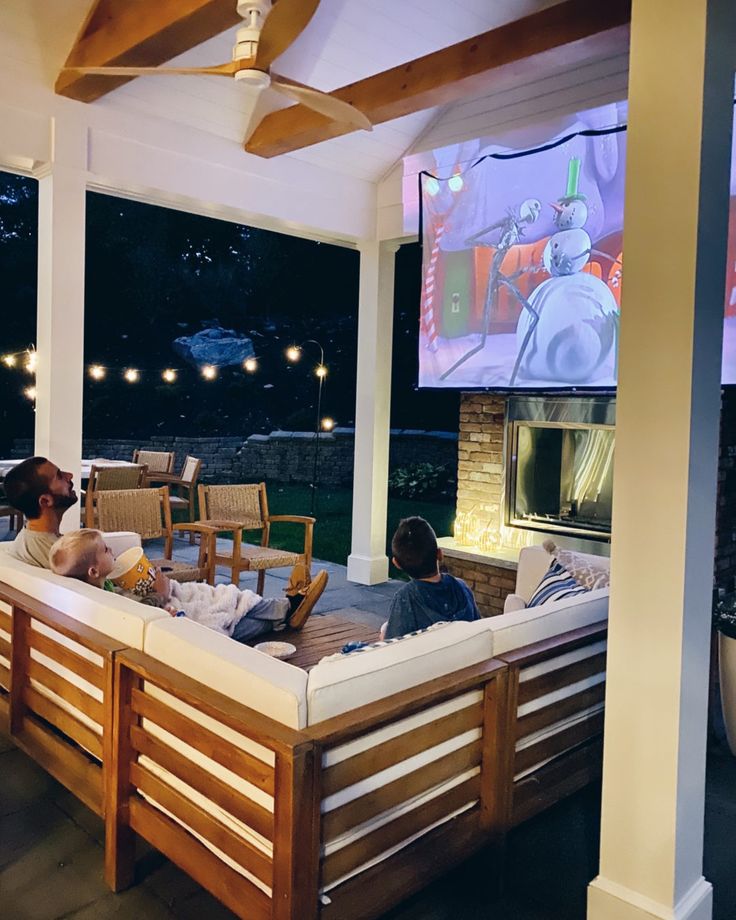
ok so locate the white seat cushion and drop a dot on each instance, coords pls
(337, 686)
(117, 617)
(533, 624)
(274, 688)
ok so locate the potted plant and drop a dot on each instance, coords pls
(724, 620)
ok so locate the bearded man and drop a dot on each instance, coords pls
(42, 492)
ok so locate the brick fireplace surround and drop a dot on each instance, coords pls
(480, 486)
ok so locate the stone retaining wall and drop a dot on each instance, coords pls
(284, 456)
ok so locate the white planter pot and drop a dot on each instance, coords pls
(727, 673)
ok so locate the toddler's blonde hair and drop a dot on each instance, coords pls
(74, 553)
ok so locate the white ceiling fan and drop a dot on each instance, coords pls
(268, 31)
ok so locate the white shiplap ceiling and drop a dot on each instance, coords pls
(346, 41)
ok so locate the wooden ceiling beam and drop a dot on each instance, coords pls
(568, 33)
(139, 33)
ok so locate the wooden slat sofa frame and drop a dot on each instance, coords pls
(275, 839)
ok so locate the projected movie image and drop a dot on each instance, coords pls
(523, 265)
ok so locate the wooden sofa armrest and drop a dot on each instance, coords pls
(195, 527)
(557, 645)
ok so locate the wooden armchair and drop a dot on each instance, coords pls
(105, 478)
(183, 487)
(157, 461)
(245, 507)
(148, 512)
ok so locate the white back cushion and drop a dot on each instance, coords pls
(117, 617)
(337, 686)
(533, 624)
(274, 688)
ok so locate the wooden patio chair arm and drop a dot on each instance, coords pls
(218, 526)
(293, 518)
(169, 478)
(195, 528)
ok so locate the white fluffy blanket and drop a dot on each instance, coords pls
(219, 607)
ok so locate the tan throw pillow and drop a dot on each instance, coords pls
(586, 570)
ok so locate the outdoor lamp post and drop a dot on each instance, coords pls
(294, 353)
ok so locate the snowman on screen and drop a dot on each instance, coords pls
(567, 331)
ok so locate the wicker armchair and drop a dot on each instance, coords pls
(182, 487)
(105, 478)
(147, 512)
(157, 461)
(245, 507)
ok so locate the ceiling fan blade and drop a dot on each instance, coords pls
(219, 70)
(286, 21)
(333, 108)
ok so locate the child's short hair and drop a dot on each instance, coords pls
(74, 553)
(414, 547)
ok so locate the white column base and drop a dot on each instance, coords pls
(609, 901)
(367, 570)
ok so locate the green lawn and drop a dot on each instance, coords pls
(334, 515)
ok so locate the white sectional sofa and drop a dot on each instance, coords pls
(300, 795)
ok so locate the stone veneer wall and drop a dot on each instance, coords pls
(284, 456)
(480, 487)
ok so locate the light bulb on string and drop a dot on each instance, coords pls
(209, 372)
(31, 362)
(321, 371)
(132, 375)
(30, 392)
(328, 424)
(456, 183)
(250, 365)
(293, 352)
(97, 372)
(432, 186)
(10, 360)
(169, 375)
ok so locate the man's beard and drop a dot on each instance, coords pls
(62, 502)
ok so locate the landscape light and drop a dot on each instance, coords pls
(132, 375)
(30, 392)
(10, 360)
(321, 371)
(97, 372)
(328, 424)
(251, 365)
(31, 362)
(209, 372)
(169, 375)
(293, 352)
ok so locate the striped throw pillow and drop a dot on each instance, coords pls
(557, 584)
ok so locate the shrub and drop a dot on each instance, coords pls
(419, 480)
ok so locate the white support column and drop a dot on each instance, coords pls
(368, 562)
(60, 331)
(676, 219)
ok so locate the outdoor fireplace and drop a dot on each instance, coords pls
(559, 465)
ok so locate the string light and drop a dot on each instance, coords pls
(169, 375)
(31, 362)
(321, 371)
(209, 372)
(328, 424)
(10, 360)
(97, 372)
(250, 365)
(30, 392)
(293, 352)
(132, 375)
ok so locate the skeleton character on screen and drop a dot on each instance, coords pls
(510, 233)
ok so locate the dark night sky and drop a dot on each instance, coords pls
(154, 274)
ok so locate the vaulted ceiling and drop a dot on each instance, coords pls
(402, 63)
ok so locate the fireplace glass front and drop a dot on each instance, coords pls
(561, 477)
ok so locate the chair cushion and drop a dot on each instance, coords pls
(556, 585)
